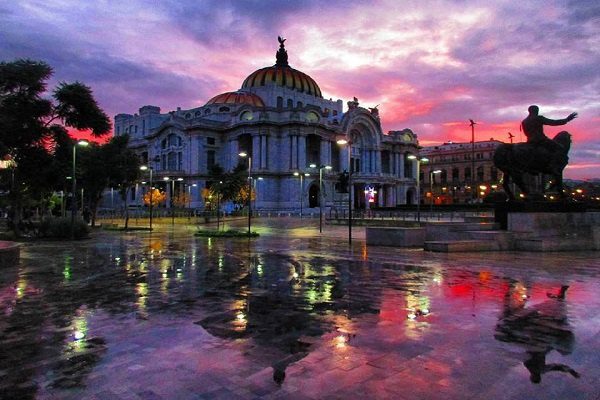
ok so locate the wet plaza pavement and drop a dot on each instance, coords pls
(295, 315)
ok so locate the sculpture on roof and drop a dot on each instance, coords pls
(281, 56)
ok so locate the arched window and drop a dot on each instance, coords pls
(279, 102)
(246, 116)
(224, 109)
(188, 115)
(290, 103)
(312, 116)
(197, 114)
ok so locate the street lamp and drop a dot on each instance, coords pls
(419, 161)
(147, 168)
(301, 175)
(83, 143)
(434, 172)
(348, 143)
(320, 167)
(243, 155)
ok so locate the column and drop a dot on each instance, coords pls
(378, 167)
(234, 151)
(256, 152)
(301, 153)
(292, 144)
(401, 165)
(263, 152)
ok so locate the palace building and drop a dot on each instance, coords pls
(279, 118)
(459, 172)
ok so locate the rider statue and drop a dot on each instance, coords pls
(533, 127)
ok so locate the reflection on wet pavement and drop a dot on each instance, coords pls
(167, 315)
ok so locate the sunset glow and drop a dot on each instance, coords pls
(431, 66)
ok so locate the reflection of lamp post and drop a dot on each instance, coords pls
(190, 194)
(301, 175)
(144, 168)
(434, 172)
(321, 167)
(348, 143)
(83, 143)
(243, 154)
(419, 161)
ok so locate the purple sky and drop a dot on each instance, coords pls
(431, 65)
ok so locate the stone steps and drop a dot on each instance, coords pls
(454, 246)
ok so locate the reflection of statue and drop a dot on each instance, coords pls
(539, 329)
(514, 160)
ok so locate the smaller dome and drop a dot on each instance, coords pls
(237, 98)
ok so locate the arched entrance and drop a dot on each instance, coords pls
(313, 196)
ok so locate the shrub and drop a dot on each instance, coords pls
(60, 228)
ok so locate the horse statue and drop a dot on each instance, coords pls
(514, 160)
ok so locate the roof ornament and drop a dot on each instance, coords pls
(281, 56)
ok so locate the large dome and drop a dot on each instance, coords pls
(237, 98)
(281, 74)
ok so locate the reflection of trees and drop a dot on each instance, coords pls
(539, 329)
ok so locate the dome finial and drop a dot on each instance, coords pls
(281, 56)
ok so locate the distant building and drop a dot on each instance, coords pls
(281, 120)
(467, 172)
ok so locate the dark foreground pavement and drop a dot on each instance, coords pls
(294, 315)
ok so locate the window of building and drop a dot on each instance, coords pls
(408, 168)
(210, 141)
(290, 103)
(385, 162)
(455, 177)
(299, 104)
(197, 113)
(444, 176)
(467, 174)
(279, 102)
(207, 111)
(224, 109)
(480, 174)
(312, 116)
(247, 116)
(210, 159)
(188, 115)
(135, 130)
(118, 130)
(335, 112)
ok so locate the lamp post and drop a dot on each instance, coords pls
(82, 143)
(144, 168)
(167, 179)
(472, 124)
(321, 167)
(419, 161)
(434, 172)
(348, 143)
(301, 175)
(243, 155)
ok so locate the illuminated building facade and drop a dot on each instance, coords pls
(280, 119)
(459, 172)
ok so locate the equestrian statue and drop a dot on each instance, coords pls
(539, 155)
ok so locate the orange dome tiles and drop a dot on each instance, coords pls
(237, 98)
(283, 76)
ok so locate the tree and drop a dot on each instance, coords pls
(31, 125)
(112, 164)
(158, 197)
(181, 200)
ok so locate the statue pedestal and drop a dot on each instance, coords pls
(545, 226)
(503, 209)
